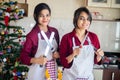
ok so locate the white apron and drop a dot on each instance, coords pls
(82, 66)
(35, 71)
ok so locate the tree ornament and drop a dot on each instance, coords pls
(47, 75)
(18, 73)
(19, 36)
(9, 49)
(17, 10)
(2, 32)
(15, 77)
(11, 3)
(16, 16)
(8, 9)
(1, 53)
(4, 51)
(16, 7)
(20, 41)
(59, 74)
(14, 70)
(6, 18)
(4, 60)
(16, 63)
(6, 31)
(20, 31)
(14, 74)
(14, 30)
(23, 73)
(1, 12)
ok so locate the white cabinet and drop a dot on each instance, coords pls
(115, 4)
(99, 3)
(106, 74)
(98, 74)
(104, 3)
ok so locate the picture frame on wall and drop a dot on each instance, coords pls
(19, 1)
(99, 3)
(25, 7)
(22, 4)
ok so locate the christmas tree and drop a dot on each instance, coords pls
(11, 42)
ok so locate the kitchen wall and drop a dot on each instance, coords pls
(62, 14)
(108, 31)
(64, 9)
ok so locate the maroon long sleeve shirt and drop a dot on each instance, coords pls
(66, 46)
(31, 44)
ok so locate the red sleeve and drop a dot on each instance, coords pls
(25, 53)
(57, 37)
(64, 52)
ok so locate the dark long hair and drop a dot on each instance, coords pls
(77, 14)
(38, 9)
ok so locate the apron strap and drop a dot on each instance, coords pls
(84, 39)
(49, 41)
(39, 36)
(74, 46)
(89, 41)
(46, 38)
(73, 40)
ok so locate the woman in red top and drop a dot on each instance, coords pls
(80, 49)
(43, 40)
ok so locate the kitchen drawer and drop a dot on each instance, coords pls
(111, 74)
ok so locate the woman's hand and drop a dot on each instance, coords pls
(40, 60)
(76, 51)
(99, 54)
(56, 55)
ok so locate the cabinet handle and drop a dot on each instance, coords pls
(113, 74)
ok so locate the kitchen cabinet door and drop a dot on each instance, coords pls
(115, 4)
(99, 3)
(98, 74)
(111, 74)
(104, 3)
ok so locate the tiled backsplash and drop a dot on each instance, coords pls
(107, 31)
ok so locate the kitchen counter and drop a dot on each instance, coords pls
(106, 66)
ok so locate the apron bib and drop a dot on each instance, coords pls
(35, 71)
(82, 66)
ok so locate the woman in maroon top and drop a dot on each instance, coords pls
(80, 49)
(38, 44)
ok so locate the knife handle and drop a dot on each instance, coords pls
(44, 57)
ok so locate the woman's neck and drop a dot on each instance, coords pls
(80, 34)
(44, 28)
